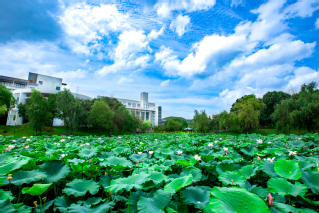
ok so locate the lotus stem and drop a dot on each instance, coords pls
(129, 200)
(40, 203)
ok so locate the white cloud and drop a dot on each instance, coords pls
(154, 35)
(224, 92)
(125, 79)
(303, 75)
(86, 24)
(126, 55)
(317, 24)
(179, 24)
(70, 74)
(302, 8)
(164, 7)
(165, 83)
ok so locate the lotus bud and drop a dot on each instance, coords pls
(90, 160)
(258, 158)
(270, 200)
(303, 148)
(311, 153)
(63, 159)
(35, 204)
(137, 162)
(226, 153)
(44, 199)
(9, 177)
(253, 161)
(96, 169)
(141, 160)
(110, 192)
(105, 173)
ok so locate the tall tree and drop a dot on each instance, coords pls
(271, 99)
(200, 122)
(6, 99)
(248, 111)
(224, 120)
(101, 115)
(282, 115)
(37, 111)
(146, 125)
(69, 110)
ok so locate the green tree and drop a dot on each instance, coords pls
(214, 123)
(146, 125)
(37, 111)
(282, 116)
(271, 99)
(6, 99)
(87, 105)
(224, 120)
(101, 115)
(200, 122)
(69, 109)
(248, 111)
(175, 124)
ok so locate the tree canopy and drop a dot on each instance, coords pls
(6, 99)
(101, 115)
(200, 122)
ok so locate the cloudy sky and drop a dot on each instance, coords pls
(187, 54)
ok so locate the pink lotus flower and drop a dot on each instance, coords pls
(156, 139)
(28, 139)
(179, 152)
(90, 160)
(23, 145)
(139, 153)
(270, 200)
(198, 158)
(216, 141)
(150, 152)
(258, 158)
(226, 153)
(14, 141)
(137, 162)
(27, 147)
(62, 140)
(225, 149)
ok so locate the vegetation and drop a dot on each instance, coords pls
(200, 122)
(101, 115)
(146, 125)
(160, 173)
(6, 99)
(175, 124)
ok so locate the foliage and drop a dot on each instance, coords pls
(6, 99)
(146, 125)
(37, 111)
(175, 124)
(160, 173)
(200, 122)
(69, 110)
(101, 115)
(271, 99)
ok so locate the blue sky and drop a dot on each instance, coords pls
(187, 54)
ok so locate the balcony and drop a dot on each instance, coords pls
(15, 85)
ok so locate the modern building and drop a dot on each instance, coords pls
(21, 90)
(146, 110)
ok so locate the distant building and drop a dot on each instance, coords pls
(143, 108)
(21, 90)
(162, 123)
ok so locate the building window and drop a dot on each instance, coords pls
(41, 82)
(57, 88)
(129, 104)
(138, 105)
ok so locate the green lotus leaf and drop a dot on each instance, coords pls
(88, 153)
(155, 204)
(196, 195)
(120, 150)
(315, 203)
(260, 191)
(62, 203)
(311, 179)
(105, 181)
(117, 163)
(288, 169)
(157, 177)
(20, 177)
(7, 207)
(288, 208)
(283, 187)
(298, 144)
(178, 184)
(133, 181)
(135, 197)
(221, 168)
(76, 161)
(248, 171)
(231, 178)
(6, 195)
(250, 150)
(11, 165)
(45, 206)
(79, 187)
(100, 208)
(184, 162)
(135, 157)
(21, 208)
(32, 154)
(233, 199)
(56, 170)
(36, 189)
(195, 172)
(268, 167)
(90, 201)
(104, 155)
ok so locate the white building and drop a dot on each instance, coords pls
(143, 108)
(21, 90)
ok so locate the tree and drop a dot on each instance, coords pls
(146, 125)
(138, 122)
(175, 124)
(6, 99)
(101, 115)
(271, 99)
(37, 111)
(87, 105)
(214, 123)
(248, 111)
(69, 110)
(224, 120)
(282, 116)
(200, 122)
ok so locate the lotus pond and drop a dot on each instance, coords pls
(152, 173)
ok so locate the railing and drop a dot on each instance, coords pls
(140, 108)
(8, 84)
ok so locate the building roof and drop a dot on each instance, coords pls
(7, 78)
(188, 129)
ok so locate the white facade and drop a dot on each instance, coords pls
(46, 85)
(143, 108)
